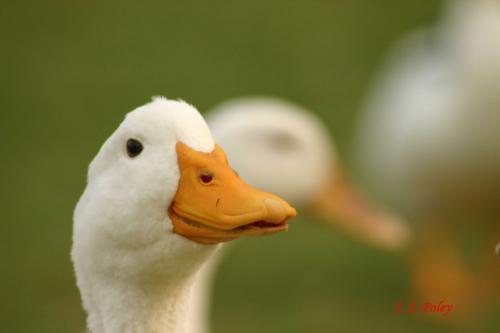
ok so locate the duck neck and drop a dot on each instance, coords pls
(126, 308)
(143, 302)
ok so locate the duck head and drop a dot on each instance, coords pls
(160, 188)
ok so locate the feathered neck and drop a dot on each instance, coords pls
(133, 308)
(152, 300)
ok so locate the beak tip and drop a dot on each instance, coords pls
(278, 210)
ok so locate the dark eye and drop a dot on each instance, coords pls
(206, 177)
(283, 141)
(134, 147)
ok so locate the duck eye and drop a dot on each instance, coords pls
(134, 147)
(206, 177)
(283, 141)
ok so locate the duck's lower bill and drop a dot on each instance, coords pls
(202, 233)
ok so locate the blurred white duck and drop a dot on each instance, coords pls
(159, 194)
(430, 140)
(281, 147)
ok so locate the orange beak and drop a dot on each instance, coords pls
(342, 203)
(213, 204)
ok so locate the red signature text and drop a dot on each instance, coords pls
(442, 308)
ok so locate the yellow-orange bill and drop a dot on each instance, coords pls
(341, 203)
(213, 204)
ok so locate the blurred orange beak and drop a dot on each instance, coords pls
(343, 204)
(214, 205)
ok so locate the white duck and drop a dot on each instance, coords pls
(160, 194)
(430, 139)
(283, 148)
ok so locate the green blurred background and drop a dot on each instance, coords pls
(70, 70)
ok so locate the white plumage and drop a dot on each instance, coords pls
(430, 130)
(134, 274)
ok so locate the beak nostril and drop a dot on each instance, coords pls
(206, 177)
